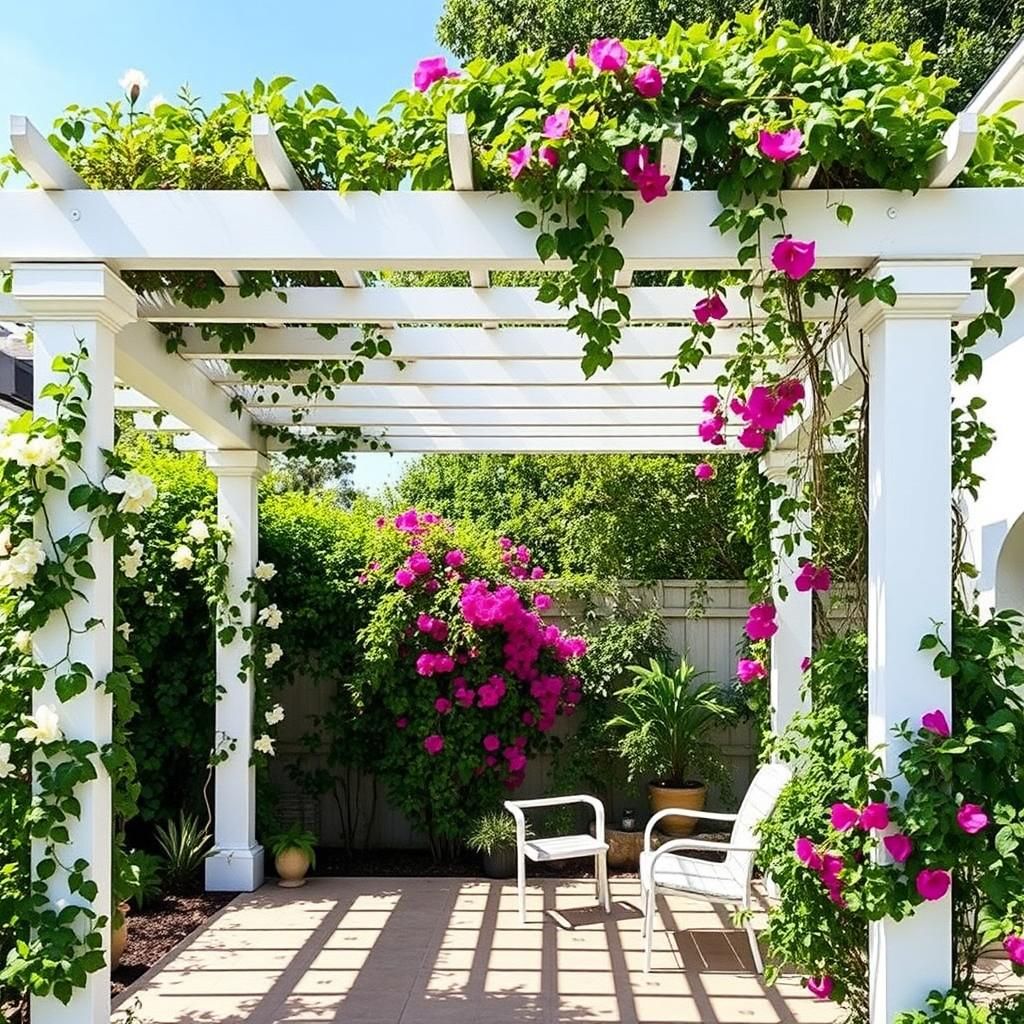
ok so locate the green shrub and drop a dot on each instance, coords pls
(492, 832)
(185, 844)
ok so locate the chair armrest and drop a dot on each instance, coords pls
(681, 812)
(675, 845)
(516, 808)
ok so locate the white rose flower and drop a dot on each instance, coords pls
(12, 445)
(23, 641)
(273, 655)
(42, 727)
(264, 745)
(270, 616)
(18, 570)
(6, 768)
(275, 715)
(182, 558)
(198, 531)
(133, 81)
(150, 597)
(40, 451)
(5, 541)
(265, 571)
(137, 490)
(125, 630)
(131, 562)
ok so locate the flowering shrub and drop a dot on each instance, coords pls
(460, 674)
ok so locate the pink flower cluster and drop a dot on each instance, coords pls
(761, 622)
(1014, 946)
(645, 174)
(749, 669)
(780, 146)
(518, 561)
(433, 663)
(827, 867)
(873, 816)
(813, 577)
(430, 70)
(764, 410)
(936, 723)
(437, 629)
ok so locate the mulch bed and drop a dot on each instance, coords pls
(158, 929)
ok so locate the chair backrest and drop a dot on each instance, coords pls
(758, 803)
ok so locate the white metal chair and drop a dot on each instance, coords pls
(724, 882)
(560, 847)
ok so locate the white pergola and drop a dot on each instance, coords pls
(492, 369)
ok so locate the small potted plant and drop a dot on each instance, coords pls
(664, 722)
(294, 854)
(494, 836)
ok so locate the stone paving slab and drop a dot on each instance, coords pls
(452, 951)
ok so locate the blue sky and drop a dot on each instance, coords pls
(55, 52)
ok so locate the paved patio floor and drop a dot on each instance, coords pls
(451, 951)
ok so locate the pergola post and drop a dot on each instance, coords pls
(792, 643)
(73, 306)
(909, 575)
(237, 862)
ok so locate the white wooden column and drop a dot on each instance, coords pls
(792, 643)
(237, 863)
(909, 574)
(75, 305)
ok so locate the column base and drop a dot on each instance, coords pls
(235, 870)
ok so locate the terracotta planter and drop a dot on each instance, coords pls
(291, 866)
(690, 797)
(119, 937)
(500, 863)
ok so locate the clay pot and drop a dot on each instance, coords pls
(291, 866)
(690, 797)
(119, 937)
(500, 863)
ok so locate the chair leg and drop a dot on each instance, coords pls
(521, 885)
(604, 895)
(648, 928)
(597, 876)
(755, 950)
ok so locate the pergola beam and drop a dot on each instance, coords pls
(143, 363)
(509, 420)
(516, 443)
(43, 164)
(444, 305)
(456, 343)
(323, 231)
(959, 141)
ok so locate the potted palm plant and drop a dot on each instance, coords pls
(494, 836)
(664, 721)
(294, 854)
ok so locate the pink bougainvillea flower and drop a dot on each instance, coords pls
(404, 578)
(932, 883)
(491, 742)
(428, 71)
(843, 817)
(821, 988)
(899, 846)
(805, 664)
(504, 543)
(749, 669)
(518, 160)
(875, 816)
(807, 854)
(608, 55)
(971, 818)
(813, 577)
(652, 184)
(761, 622)
(710, 403)
(433, 744)
(401, 722)
(711, 428)
(455, 558)
(936, 722)
(751, 437)
(711, 308)
(635, 161)
(704, 471)
(380, 522)
(780, 146)
(570, 59)
(794, 258)
(648, 81)
(1014, 946)
(537, 573)
(442, 705)
(831, 865)
(556, 125)
(549, 155)
(542, 601)
(419, 563)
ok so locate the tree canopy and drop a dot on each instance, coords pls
(969, 37)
